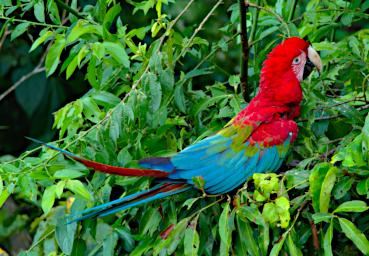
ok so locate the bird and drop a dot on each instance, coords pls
(256, 140)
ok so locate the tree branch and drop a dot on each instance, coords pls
(245, 52)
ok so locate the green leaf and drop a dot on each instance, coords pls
(117, 51)
(64, 233)
(352, 206)
(53, 12)
(78, 188)
(208, 102)
(149, 222)
(362, 187)
(278, 245)
(198, 182)
(179, 98)
(346, 19)
(71, 67)
(46, 35)
(4, 196)
(224, 231)
(246, 240)
(39, 10)
(1, 186)
(68, 174)
(48, 199)
(234, 81)
(110, 15)
(19, 30)
(365, 132)
(166, 78)
(319, 217)
(327, 242)
(127, 238)
(82, 28)
(342, 187)
(283, 206)
(292, 246)
(128, 112)
(355, 235)
(252, 214)
(99, 50)
(327, 186)
(9, 168)
(53, 56)
(155, 93)
(59, 187)
(171, 242)
(116, 122)
(355, 45)
(316, 179)
(189, 202)
(270, 213)
(91, 73)
(90, 109)
(267, 32)
(106, 99)
(191, 239)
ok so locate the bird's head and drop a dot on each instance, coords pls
(285, 67)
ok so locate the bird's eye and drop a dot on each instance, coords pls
(296, 60)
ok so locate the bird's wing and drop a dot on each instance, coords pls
(225, 160)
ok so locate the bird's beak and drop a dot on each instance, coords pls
(313, 60)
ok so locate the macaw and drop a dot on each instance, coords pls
(255, 141)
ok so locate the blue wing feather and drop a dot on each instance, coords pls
(223, 168)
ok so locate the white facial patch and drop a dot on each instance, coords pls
(298, 64)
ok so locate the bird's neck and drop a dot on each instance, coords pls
(279, 98)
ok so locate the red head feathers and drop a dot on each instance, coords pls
(280, 79)
(283, 70)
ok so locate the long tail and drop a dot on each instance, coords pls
(109, 168)
(142, 197)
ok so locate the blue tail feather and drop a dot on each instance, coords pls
(142, 197)
(52, 147)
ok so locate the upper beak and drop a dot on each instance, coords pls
(314, 59)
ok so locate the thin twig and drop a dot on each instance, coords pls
(245, 52)
(38, 69)
(21, 80)
(33, 22)
(2, 40)
(198, 29)
(69, 9)
(265, 9)
(314, 231)
(323, 118)
(214, 51)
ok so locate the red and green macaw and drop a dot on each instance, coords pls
(255, 141)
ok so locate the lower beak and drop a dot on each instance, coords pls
(308, 68)
(313, 60)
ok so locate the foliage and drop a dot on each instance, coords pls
(154, 90)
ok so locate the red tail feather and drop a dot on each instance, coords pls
(121, 170)
(108, 168)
